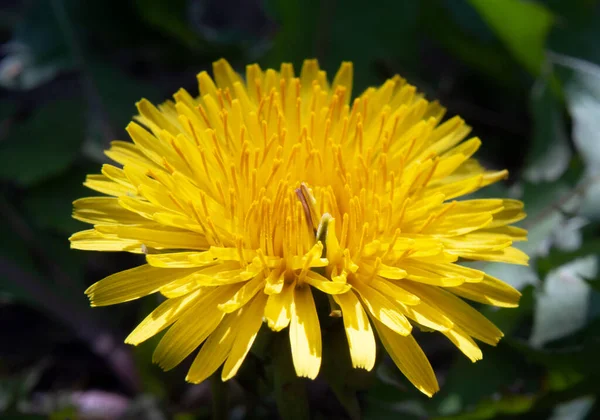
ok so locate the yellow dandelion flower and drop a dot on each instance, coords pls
(259, 194)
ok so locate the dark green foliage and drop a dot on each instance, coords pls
(524, 74)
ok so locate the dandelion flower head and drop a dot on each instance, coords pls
(271, 191)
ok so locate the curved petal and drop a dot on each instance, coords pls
(192, 328)
(243, 296)
(252, 318)
(409, 357)
(132, 284)
(358, 331)
(278, 310)
(305, 334)
(383, 309)
(325, 285)
(464, 343)
(159, 319)
(461, 313)
(490, 291)
(215, 350)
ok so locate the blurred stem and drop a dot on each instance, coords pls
(220, 397)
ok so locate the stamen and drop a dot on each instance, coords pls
(202, 112)
(261, 256)
(391, 244)
(345, 225)
(239, 245)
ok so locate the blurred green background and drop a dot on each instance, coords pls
(524, 74)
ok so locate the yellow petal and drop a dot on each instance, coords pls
(215, 350)
(158, 236)
(325, 285)
(163, 316)
(243, 296)
(206, 86)
(383, 309)
(132, 284)
(334, 251)
(460, 312)
(305, 334)
(343, 78)
(180, 259)
(393, 273)
(449, 271)
(358, 331)
(224, 75)
(104, 210)
(223, 274)
(428, 316)
(141, 207)
(478, 241)
(117, 175)
(249, 325)
(105, 185)
(275, 282)
(192, 328)
(278, 311)
(395, 291)
(464, 343)
(231, 254)
(410, 359)
(313, 257)
(157, 121)
(515, 233)
(125, 152)
(422, 274)
(308, 73)
(511, 213)
(490, 291)
(509, 255)
(180, 287)
(92, 240)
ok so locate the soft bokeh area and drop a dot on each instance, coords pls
(524, 74)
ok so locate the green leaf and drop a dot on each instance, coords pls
(549, 153)
(583, 100)
(45, 145)
(562, 304)
(472, 384)
(578, 360)
(465, 40)
(522, 25)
